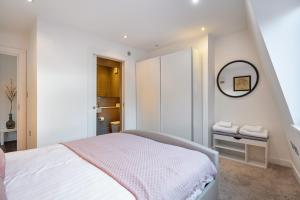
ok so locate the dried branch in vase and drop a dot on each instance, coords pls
(11, 92)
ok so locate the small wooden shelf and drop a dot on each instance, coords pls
(109, 107)
(3, 131)
(248, 151)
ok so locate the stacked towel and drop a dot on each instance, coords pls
(255, 131)
(224, 124)
(226, 127)
(252, 128)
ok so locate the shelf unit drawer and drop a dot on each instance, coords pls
(243, 150)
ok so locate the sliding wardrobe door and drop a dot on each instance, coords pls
(148, 94)
(197, 98)
(176, 94)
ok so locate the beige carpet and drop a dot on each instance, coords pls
(243, 182)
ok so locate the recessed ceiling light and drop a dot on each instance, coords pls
(29, 0)
(195, 1)
(203, 28)
(125, 36)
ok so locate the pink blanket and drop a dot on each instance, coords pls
(2, 175)
(146, 168)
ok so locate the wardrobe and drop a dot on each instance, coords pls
(169, 94)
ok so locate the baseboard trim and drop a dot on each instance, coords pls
(296, 172)
(286, 163)
(281, 162)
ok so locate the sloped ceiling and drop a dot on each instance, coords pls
(275, 25)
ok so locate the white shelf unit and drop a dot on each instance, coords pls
(248, 151)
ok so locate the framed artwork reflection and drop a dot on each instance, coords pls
(242, 83)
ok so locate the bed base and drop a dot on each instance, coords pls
(211, 190)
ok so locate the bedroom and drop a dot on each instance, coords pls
(61, 50)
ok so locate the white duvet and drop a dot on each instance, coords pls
(56, 173)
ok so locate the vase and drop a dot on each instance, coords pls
(10, 124)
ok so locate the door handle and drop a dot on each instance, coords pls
(237, 138)
(94, 107)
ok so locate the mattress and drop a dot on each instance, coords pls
(57, 173)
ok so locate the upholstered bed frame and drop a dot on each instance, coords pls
(211, 190)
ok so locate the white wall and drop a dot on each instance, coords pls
(13, 40)
(8, 70)
(258, 107)
(205, 47)
(63, 58)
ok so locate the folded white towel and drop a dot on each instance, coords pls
(225, 124)
(252, 128)
(233, 129)
(263, 134)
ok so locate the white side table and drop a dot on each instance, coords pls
(3, 131)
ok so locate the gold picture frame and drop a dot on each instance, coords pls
(242, 83)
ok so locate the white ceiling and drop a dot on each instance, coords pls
(146, 22)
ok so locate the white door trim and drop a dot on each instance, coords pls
(92, 96)
(21, 94)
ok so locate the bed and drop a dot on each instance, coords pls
(68, 171)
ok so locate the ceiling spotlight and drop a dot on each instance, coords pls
(29, 0)
(195, 1)
(203, 28)
(125, 36)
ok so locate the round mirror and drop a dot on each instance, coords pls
(237, 78)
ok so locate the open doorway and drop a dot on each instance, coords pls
(109, 96)
(16, 78)
(8, 102)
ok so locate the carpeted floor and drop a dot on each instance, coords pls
(243, 182)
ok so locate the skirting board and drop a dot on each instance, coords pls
(296, 172)
(281, 162)
(286, 163)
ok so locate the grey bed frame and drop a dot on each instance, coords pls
(211, 190)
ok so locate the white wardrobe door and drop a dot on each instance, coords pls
(148, 94)
(176, 94)
(197, 98)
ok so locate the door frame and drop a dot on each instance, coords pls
(92, 92)
(21, 94)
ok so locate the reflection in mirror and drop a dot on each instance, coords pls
(238, 78)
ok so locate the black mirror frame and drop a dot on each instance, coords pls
(235, 61)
